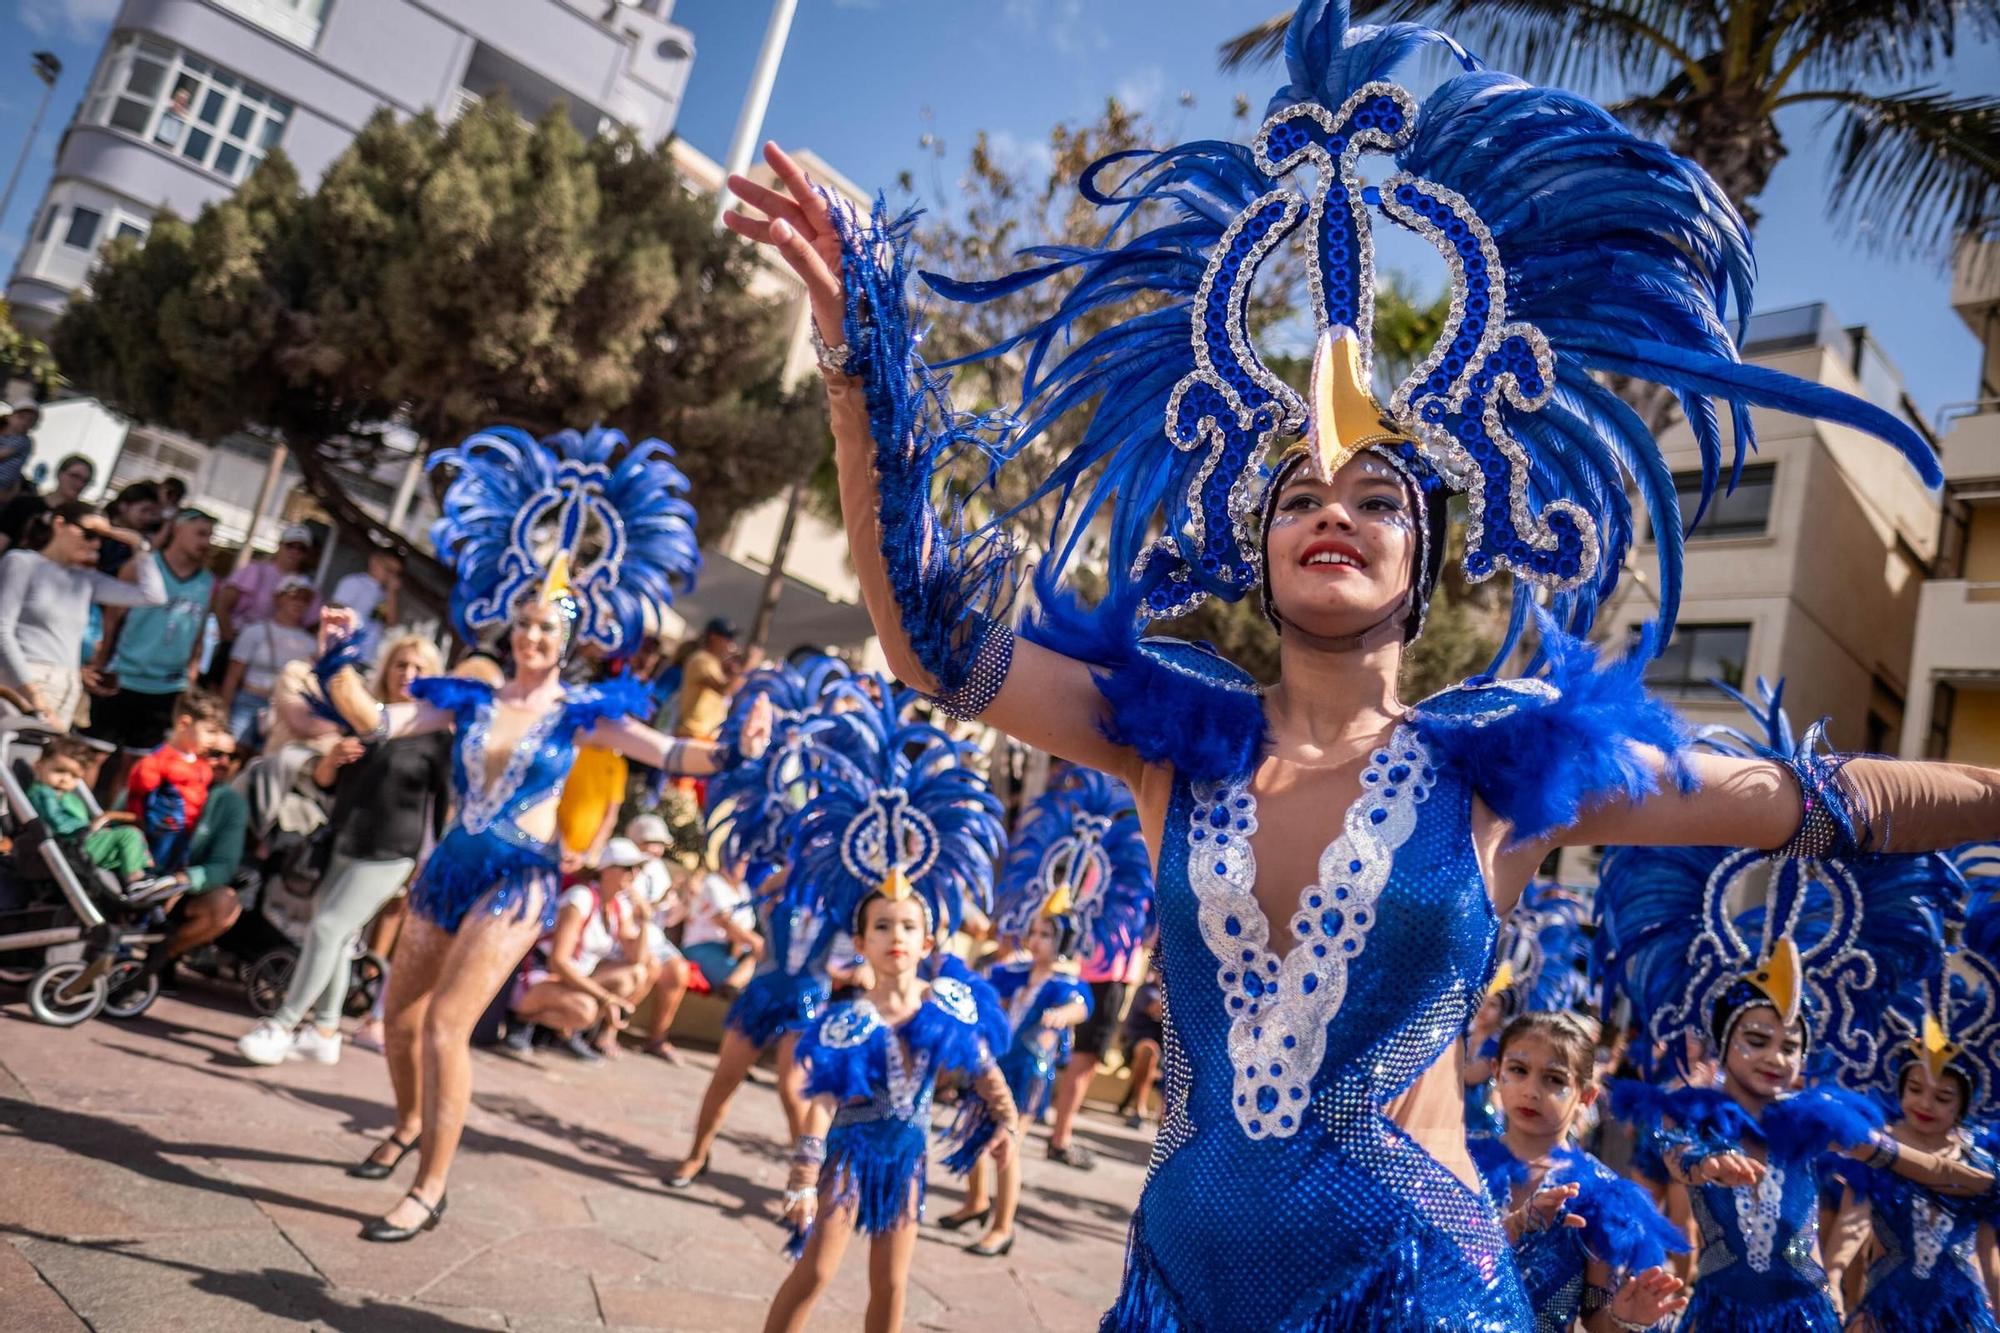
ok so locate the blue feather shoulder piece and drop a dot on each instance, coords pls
(610, 700)
(1543, 751)
(1818, 1120)
(453, 694)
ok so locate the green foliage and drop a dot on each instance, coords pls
(25, 358)
(450, 277)
(1910, 165)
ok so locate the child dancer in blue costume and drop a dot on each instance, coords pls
(1785, 963)
(564, 541)
(1312, 1036)
(900, 834)
(1589, 1243)
(1543, 951)
(747, 809)
(1077, 878)
(1938, 1055)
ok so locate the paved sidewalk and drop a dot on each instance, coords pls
(151, 1181)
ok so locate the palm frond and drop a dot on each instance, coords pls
(1585, 46)
(1259, 46)
(1850, 42)
(1919, 167)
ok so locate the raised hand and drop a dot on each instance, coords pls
(1647, 1298)
(798, 225)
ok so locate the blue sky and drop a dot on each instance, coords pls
(865, 80)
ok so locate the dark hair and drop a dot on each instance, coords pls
(173, 486)
(43, 525)
(139, 492)
(74, 748)
(1573, 1036)
(1954, 1073)
(71, 460)
(28, 410)
(202, 706)
(870, 899)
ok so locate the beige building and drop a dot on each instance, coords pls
(1954, 710)
(1812, 570)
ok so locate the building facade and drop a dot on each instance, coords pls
(1812, 570)
(1955, 675)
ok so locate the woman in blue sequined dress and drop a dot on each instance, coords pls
(559, 541)
(1332, 863)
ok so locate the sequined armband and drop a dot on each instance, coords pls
(990, 663)
(1833, 816)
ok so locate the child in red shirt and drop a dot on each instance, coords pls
(168, 788)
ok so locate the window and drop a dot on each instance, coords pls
(1697, 655)
(185, 106)
(131, 229)
(82, 232)
(1743, 512)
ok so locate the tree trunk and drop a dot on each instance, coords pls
(425, 576)
(774, 577)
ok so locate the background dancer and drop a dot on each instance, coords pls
(562, 541)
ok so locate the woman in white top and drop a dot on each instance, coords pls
(46, 592)
(263, 650)
(597, 961)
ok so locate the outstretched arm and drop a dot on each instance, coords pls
(678, 756)
(1043, 698)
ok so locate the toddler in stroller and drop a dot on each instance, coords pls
(109, 841)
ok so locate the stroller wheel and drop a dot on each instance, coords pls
(61, 998)
(135, 999)
(365, 979)
(267, 979)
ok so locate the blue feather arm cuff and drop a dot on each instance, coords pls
(951, 581)
(342, 652)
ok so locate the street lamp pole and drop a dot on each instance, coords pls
(756, 98)
(48, 69)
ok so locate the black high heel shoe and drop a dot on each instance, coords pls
(377, 1229)
(956, 1221)
(985, 1251)
(370, 1169)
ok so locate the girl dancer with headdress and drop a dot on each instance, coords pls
(1589, 1243)
(1313, 1035)
(1785, 963)
(1938, 1055)
(748, 806)
(1542, 953)
(1077, 877)
(901, 834)
(566, 541)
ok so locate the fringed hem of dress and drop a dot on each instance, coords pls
(1712, 1312)
(775, 1003)
(1400, 1294)
(470, 870)
(1960, 1308)
(880, 1176)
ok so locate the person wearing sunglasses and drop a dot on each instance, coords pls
(47, 589)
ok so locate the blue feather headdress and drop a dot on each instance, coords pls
(1078, 857)
(1694, 936)
(1543, 949)
(898, 809)
(1575, 248)
(748, 802)
(592, 522)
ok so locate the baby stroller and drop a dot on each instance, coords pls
(71, 933)
(283, 864)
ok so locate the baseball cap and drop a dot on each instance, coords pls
(622, 852)
(643, 829)
(297, 532)
(293, 583)
(724, 626)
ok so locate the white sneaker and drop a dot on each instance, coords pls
(309, 1043)
(265, 1044)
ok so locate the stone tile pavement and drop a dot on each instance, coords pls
(150, 1181)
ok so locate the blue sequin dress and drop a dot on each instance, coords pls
(1281, 1197)
(790, 988)
(884, 1079)
(1034, 1052)
(1927, 1279)
(1622, 1229)
(485, 856)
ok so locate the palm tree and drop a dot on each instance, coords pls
(1913, 166)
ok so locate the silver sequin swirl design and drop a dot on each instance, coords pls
(486, 804)
(1279, 1008)
(1757, 1210)
(1931, 1226)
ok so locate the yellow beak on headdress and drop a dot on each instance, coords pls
(896, 885)
(1059, 902)
(1778, 977)
(555, 585)
(1503, 979)
(1346, 418)
(1935, 1047)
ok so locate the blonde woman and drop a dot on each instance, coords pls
(389, 800)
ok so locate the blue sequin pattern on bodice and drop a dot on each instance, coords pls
(1927, 1278)
(1280, 1196)
(1758, 1268)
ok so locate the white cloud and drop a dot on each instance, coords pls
(1144, 90)
(77, 19)
(1061, 23)
(1032, 159)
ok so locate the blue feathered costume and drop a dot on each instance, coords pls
(748, 805)
(1543, 951)
(599, 526)
(897, 807)
(1575, 249)
(1694, 937)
